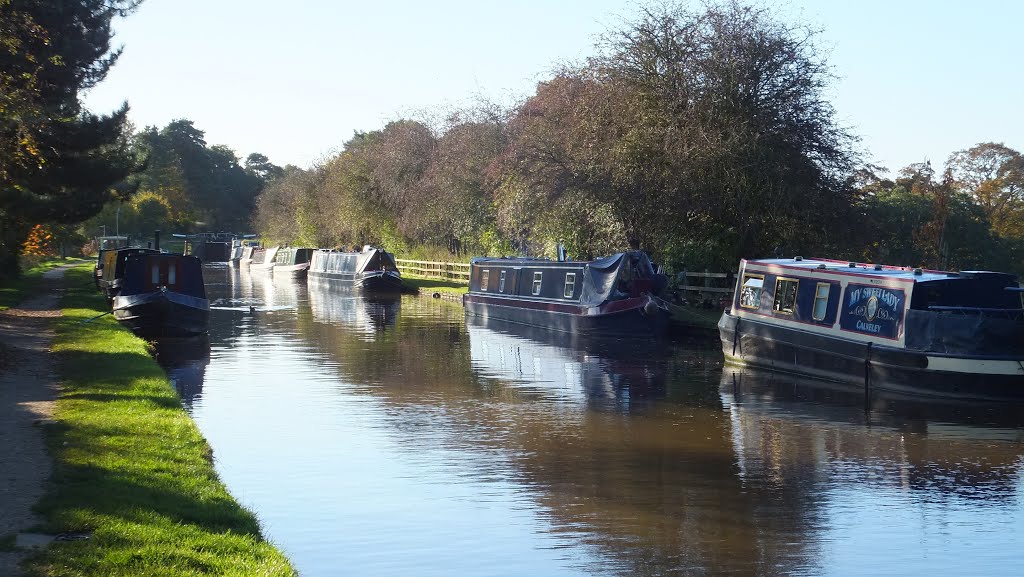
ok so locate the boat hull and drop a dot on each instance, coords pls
(369, 282)
(634, 317)
(163, 314)
(869, 365)
(292, 270)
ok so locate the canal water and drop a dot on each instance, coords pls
(393, 437)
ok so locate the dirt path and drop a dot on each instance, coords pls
(28, 390)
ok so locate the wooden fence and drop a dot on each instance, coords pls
(453, 271)
(703, 285)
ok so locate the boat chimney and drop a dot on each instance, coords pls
(156, 239)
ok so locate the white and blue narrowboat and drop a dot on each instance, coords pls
(370, 270)
(614, 296)
(951, 334)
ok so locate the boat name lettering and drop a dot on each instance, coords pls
(890, 299)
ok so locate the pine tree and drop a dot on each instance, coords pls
(59, 163)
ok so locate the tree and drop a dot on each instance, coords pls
(59, 163)
(993, 175)
(693, 125)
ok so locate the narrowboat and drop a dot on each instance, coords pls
(617, 295)
(293, 262)
(113, 268)
(247, 254)
(106, 244)
(901, 329)
(163, 295)
(263, 259)
(372, 270)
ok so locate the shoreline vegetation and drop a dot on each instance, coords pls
(133, 476)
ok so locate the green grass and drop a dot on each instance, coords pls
(13, 291)
(432, 285)
(131, 468)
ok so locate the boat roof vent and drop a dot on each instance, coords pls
(918, 272)
(878, 267)
(853, 265)
(799, 258)
(822, 265)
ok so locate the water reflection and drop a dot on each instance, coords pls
(367, 314)
(185, 361)
(398, 437)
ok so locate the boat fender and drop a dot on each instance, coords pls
(650, 308)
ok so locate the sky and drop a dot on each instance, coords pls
(916, 80)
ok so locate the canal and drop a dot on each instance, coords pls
(393, 437)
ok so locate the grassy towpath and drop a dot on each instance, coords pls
(133, 481)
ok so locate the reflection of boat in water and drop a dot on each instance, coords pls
(578, 368)
(337, 303)
(783, 423)
(185, 362)
(957, 334)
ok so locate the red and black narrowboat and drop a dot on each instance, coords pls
(163, 295)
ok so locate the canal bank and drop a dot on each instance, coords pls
(133, 489)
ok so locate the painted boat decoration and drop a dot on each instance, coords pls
(372, 270)
(613, 296)
(263, 259)
(163, 296)
(293, 262)
(956, 334)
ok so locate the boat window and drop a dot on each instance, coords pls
(821, 301)
(536, 282)
(156, 273)
(501, 282)
(171, 276)
(750, 293)
(484, 277)
(785, 295)
(570, 284)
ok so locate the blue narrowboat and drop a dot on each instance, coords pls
(613, 296)
(941, 333)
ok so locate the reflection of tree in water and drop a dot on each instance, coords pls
(652, 485)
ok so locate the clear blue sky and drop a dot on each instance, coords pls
(917, 79)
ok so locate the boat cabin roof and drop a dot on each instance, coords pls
(860, 269)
